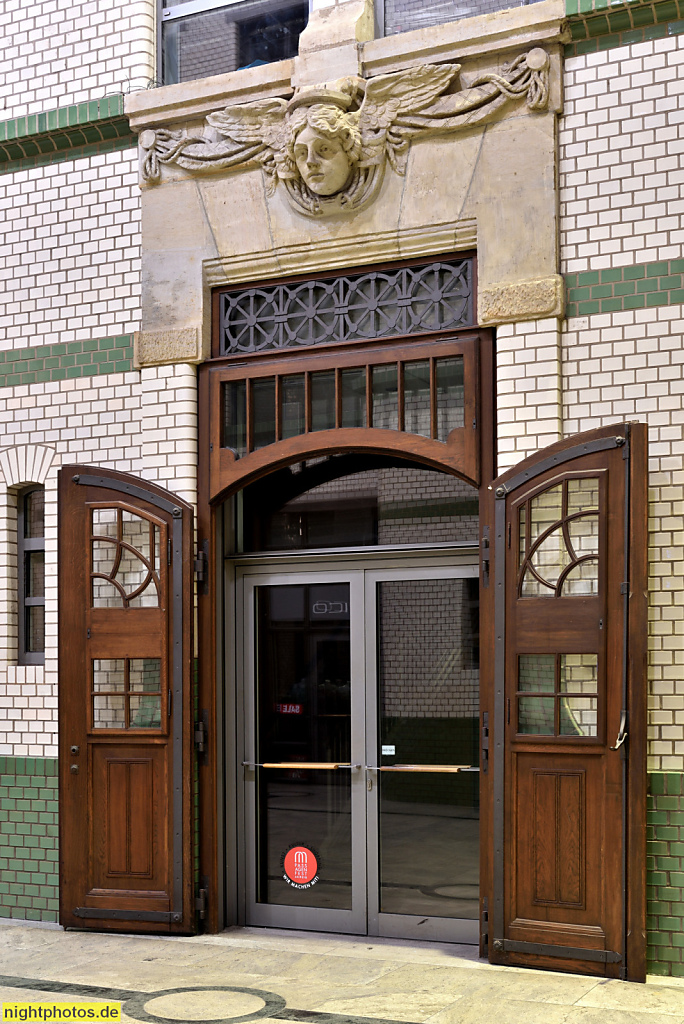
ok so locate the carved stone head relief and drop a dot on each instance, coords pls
(329, 146)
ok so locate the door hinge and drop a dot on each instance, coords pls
(201, 903)
(624, 588)
(201, 733)
(202, 566)
(485, 556)
(485, 743)
(484, 925)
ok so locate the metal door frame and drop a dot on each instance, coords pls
(363, 573)
(407, 926)
(280, 916)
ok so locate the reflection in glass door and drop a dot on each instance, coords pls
(423, 718)
(303, 770)
(361, 748)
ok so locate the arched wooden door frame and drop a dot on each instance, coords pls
(213, 491)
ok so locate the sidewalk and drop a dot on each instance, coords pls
(247, 974)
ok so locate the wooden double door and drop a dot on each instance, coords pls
(562, 707)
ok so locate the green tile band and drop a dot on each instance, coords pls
(642, 286)
(29, 882)
(42, 364)
(598, 25)
(66, 133)
(665, 874)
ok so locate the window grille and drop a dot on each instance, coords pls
(377, 304)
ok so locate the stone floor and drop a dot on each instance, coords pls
(249, 974)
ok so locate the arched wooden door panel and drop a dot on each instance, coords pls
(566, 627)
(125, 649)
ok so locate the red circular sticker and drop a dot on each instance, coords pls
(301, 867)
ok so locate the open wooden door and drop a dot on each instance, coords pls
(125, 659)
(567, 784)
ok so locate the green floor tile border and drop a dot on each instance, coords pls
(42, 364)
(642, 286)
(65, 133)
(29, 855)
(665, 874)
(601, 25)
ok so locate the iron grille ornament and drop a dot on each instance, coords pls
(353, 307)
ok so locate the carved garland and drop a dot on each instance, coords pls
(329, 145)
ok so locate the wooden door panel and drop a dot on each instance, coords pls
(558, 837)
(129, 852)
(125, 601)
(567, 799)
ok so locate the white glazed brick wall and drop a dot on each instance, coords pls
(70, 251)
(621, 146)
(57, 52)
(620, 143)
(528, 369)
(140, 422)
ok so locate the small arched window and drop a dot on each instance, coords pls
(31, 575)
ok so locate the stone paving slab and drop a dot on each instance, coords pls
(275, 977)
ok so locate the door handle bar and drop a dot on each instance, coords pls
(622, 732)
(320, 765)
(446, 768)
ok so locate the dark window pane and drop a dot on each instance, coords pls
(34, 513)
(535, 715)
(450, 396)
(273, 36)
(34, 573)
(417, 398)
(323, 400)
(35, 629)
(145, 711)
(216, 42)
(293, 406)
(428, 702)
(537, 672)
(353, 501)
(144, 675)
(263, 411)
(385, 398)
(354, 398)
(235, 416)
(304, 715)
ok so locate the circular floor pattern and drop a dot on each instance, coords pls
(452, 892)
(210, 1004)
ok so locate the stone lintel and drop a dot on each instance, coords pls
(486, 34)
(521, 300)
(191, 101)
(159, 348)
(338, 253)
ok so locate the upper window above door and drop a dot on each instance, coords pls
(356, 501)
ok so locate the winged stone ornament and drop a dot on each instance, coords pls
(329, 144)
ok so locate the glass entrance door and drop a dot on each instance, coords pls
(360, 755)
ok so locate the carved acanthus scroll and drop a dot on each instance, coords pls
(329, 145)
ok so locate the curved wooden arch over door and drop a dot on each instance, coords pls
(466, 452)
(254, 390)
